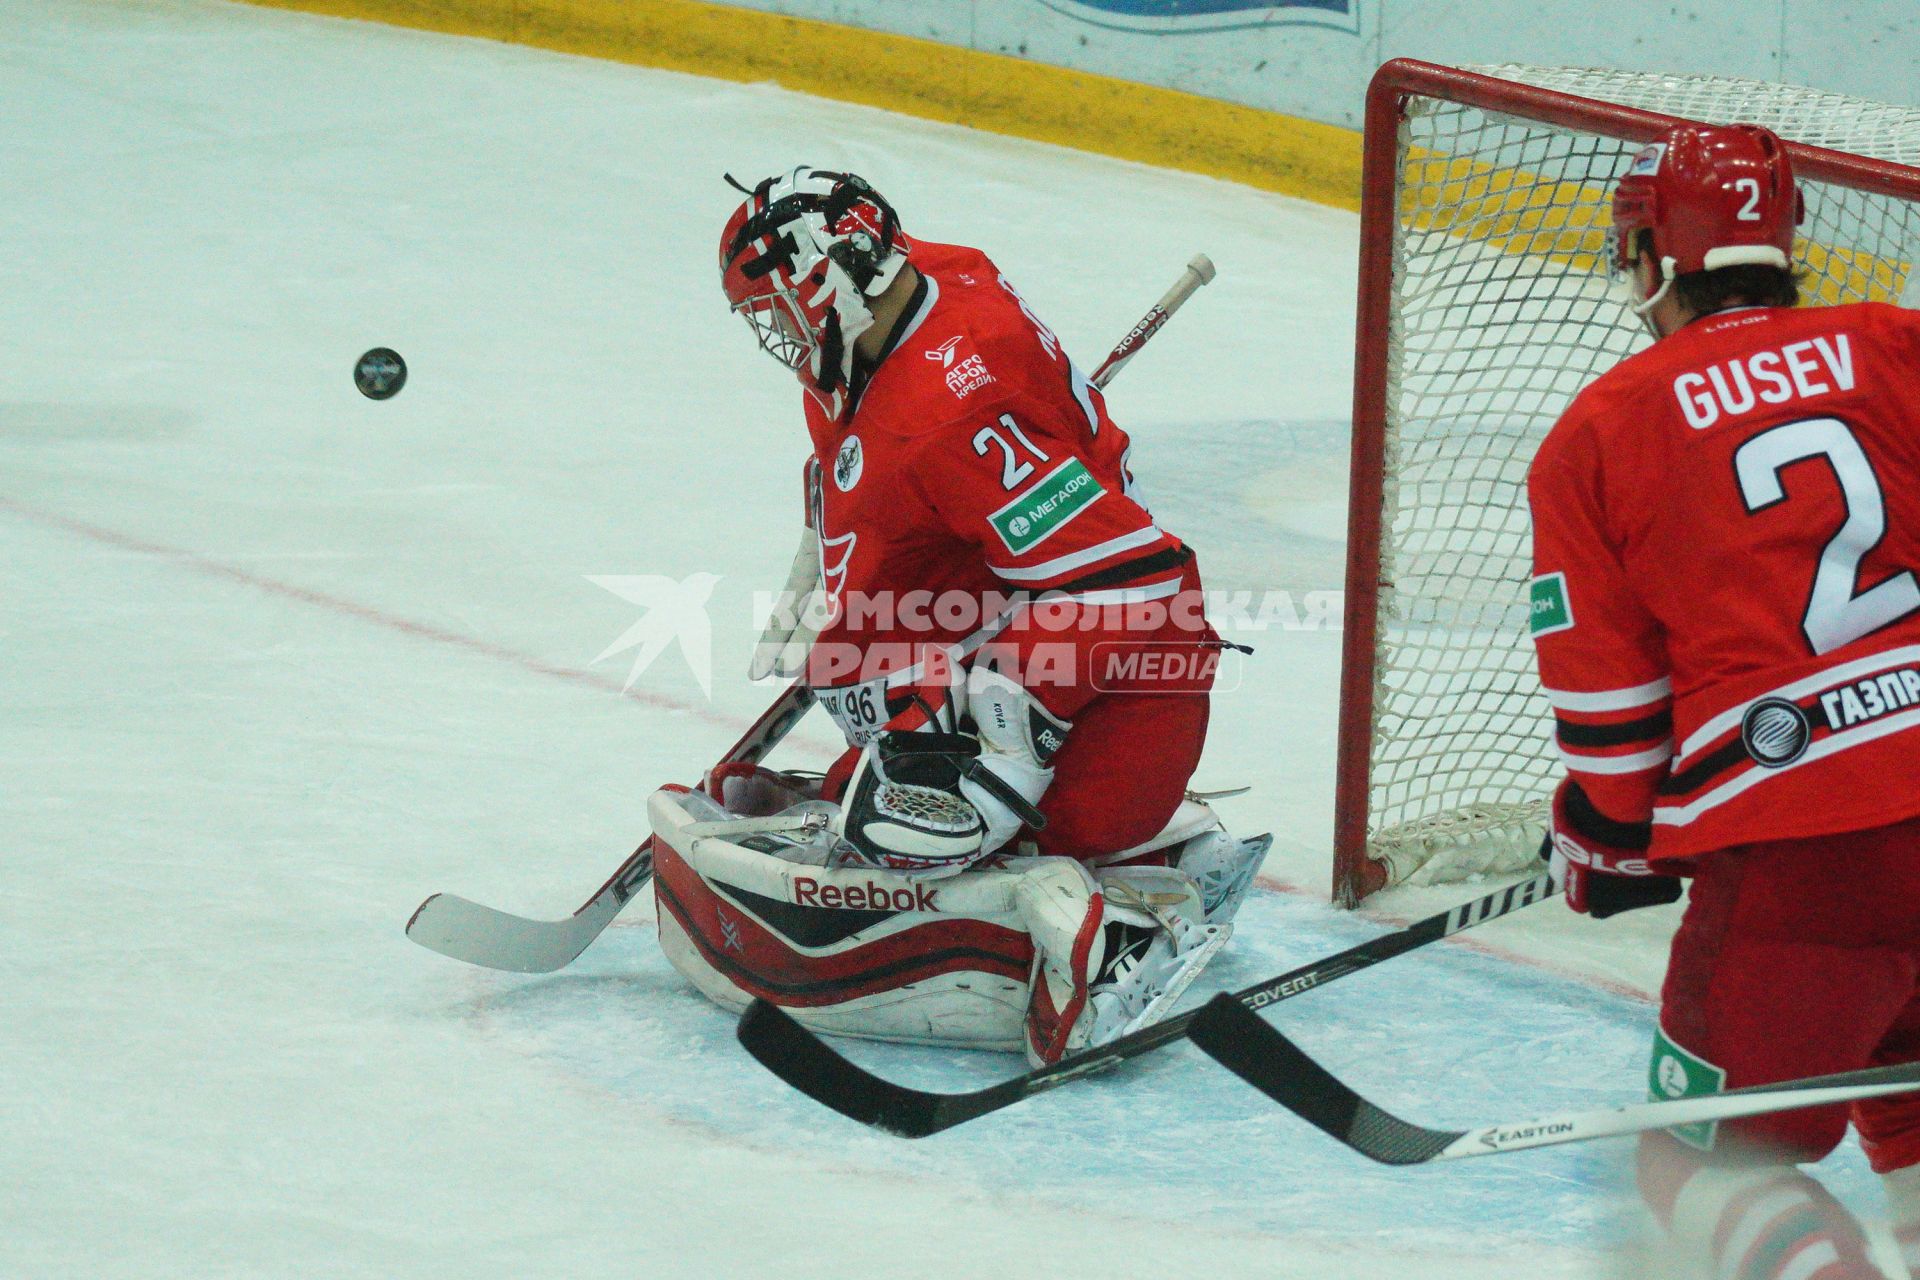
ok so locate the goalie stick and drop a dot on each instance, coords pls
(1199, 272)
(481, 935)
(1273, 1064)
(803, 1060)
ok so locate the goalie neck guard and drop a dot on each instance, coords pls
(798, 260)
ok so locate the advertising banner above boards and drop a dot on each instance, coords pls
(1312, 58)
(1184, 17)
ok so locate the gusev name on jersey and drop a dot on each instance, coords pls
(976, 468)
(1726, 529)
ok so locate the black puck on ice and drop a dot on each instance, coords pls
(380, 374)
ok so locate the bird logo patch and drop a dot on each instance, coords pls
(848, 464)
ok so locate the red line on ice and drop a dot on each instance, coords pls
(367, 613)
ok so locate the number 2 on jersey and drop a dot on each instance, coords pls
(1835, 615)
(1012, 469)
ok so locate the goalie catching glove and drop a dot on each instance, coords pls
(1600, 863)
(937, 802)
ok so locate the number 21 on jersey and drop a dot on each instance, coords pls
(1013, 467)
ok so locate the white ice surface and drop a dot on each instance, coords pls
(277, 661)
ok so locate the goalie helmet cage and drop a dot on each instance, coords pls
(1483, 309)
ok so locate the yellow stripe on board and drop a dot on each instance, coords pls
(1163, 127)
(1515, 211)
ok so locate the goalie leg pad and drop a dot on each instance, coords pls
(850, 950)
(1194, 842)
(753, 790)
(1166, 942)
(1118, 963)
(1065, 914)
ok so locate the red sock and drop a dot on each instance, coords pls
(1763, 1222)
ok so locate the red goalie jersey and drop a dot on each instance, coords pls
(977, 464)
(1726, 533)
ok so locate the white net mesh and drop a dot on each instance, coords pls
(1501, 314)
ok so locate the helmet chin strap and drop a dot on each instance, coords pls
(1644, 307)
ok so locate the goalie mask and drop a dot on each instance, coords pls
(798, 259)
(1712, 196)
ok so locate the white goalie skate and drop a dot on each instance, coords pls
(1158, 941)
(1224, 867)
(1137, 950)
(1194, 842)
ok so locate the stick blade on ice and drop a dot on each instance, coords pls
(1266, 1059)
(465, 930)
(803, 1060)
(1239, 1040)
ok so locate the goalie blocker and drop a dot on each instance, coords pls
(1040, 954)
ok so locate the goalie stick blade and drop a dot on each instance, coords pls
(1236, 1038)
(1273, 1064)
(803, 1060)
(781, 1045)
(464, 930)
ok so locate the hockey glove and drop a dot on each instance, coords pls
(1018, 739)
(911, 803)
(1601, 864)
(903, 809)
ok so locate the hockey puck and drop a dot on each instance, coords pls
(380, 374)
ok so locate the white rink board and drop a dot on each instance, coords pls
(277, 661)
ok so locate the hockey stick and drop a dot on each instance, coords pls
(1273, 1064)
(465, 930)
(804, 1061)
(781, 648)
(1199, 272)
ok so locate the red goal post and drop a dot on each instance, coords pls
(1482, 310)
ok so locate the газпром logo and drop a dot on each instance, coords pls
(1775, 732)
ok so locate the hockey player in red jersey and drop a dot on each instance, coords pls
(1727, 619)
(1014, 648)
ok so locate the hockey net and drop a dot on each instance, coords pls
(1485, 306)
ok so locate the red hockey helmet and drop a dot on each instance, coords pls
(799, 258)
(1713, 196)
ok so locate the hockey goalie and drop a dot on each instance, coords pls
(1006, 856)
